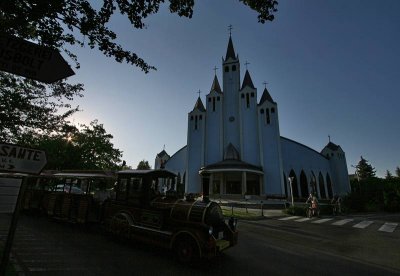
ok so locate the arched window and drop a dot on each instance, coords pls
(226, 68)
(213, 103)
(321, 184)
(195, 122)
(303, 184)
(267, 116)
(234, 68)
(313, 183)
(247, 100)
(262, 111)
(285, 184)
(294, 184)
(272, 110)
(329, 185)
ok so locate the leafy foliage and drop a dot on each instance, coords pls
(53, 23)
(397, 171)
(364, 170)
(388, 174)
(87, 149)
(143, 165)
(27, 106)
(374, 194)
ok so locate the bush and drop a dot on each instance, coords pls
(295, 210)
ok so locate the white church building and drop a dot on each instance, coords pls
(234, 147)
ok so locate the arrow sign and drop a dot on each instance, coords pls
(27, 59)
(14, 158)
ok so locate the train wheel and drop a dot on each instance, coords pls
(186, 250)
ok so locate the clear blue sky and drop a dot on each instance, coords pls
(333, 67)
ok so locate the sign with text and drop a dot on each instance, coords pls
(14, 158)
(30, 60)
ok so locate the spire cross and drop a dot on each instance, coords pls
(246, 63)
(215, 70)
(230, 29)
(199, 92)
(265, 84)
(329, 138)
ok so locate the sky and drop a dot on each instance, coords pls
(332, 66)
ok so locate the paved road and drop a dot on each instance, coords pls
(273, 246)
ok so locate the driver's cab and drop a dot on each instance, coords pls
(140, 187)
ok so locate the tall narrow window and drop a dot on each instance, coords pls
(195, 122)
(247, 100)
(213, 103)
(234, 68)
(226, 68)
(267, 116)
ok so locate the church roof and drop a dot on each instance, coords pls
(232, 165)
(332, 146)
(199, 105)
(266, 97)
(247, 80)
(230, 52)
(162, 154)
(215, 85)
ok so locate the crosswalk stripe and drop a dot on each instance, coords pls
(302, 219)
(388, 227)
(289, 218)
(322, 220)
(363, 224)
(342, 222)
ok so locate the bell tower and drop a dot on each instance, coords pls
(231, 87)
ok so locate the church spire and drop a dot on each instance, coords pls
(215, 85)
(247, 80)
(199, 105)
(266, 97)
(230, 52)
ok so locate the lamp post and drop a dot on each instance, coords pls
(290, 178)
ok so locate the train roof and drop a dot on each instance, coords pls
(152, 173)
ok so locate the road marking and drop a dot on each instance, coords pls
(388, 227)
(288, 218)
(342, 222)
(302, 219)
(322, 220)
(363, 224)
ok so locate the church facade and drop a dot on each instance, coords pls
(234, 147)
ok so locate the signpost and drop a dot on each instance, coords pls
(16, 159)
(30, 60)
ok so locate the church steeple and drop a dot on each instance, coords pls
(266, 97)
(247, 81)
(199, 105)
(230, 52)
(215, 85)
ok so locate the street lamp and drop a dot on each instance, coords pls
(290, 178)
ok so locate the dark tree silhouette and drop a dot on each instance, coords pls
(364, 170)
(143, 165)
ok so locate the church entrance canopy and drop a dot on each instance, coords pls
(231, 177)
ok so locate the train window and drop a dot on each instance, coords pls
(122, 187)
(135, 185)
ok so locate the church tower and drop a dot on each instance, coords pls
(270, 146)
(231, 87)
(214, 131)
(248, 121)
(338, 164)
(195, 146)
